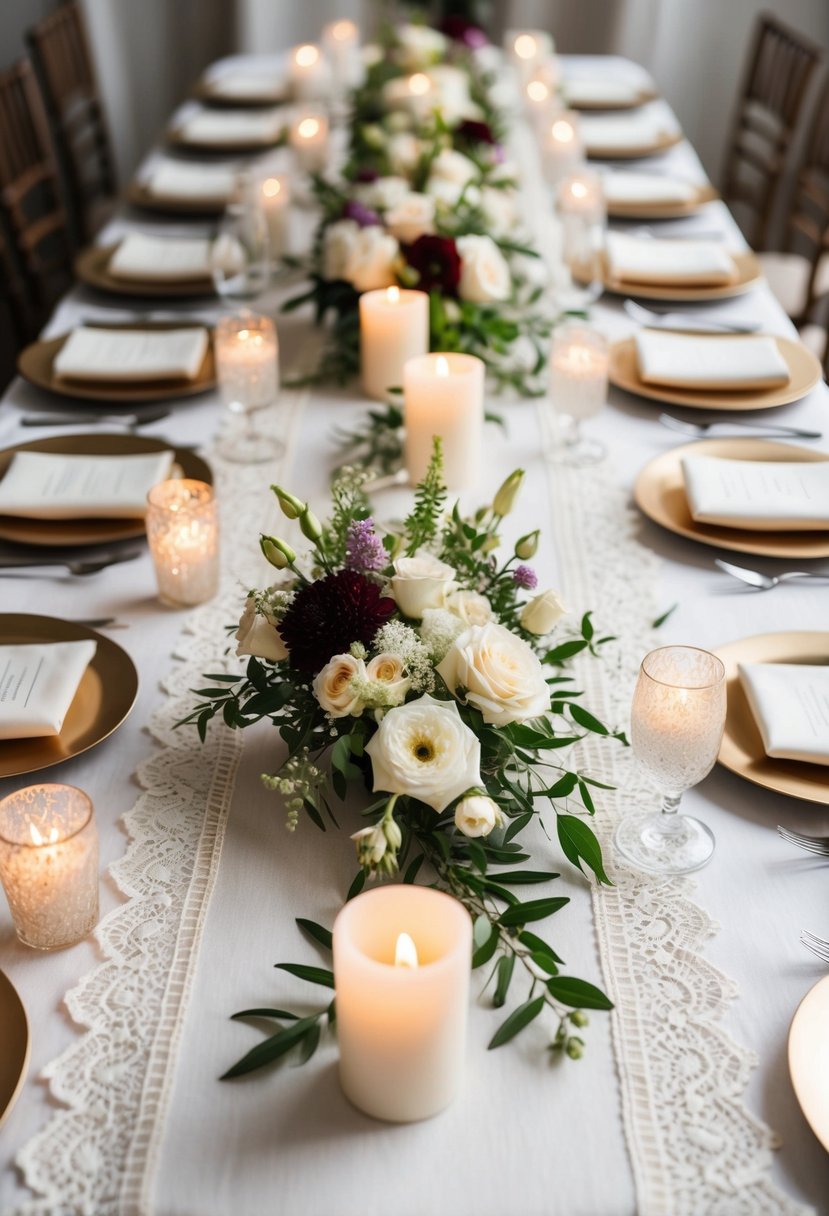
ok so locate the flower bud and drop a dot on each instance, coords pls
(579, 1019)
(477, 815)
(541, 613)
(310, 525)
(373, 136)
(277, 552)
(394, 836)
(527, 546)
(491, 543)
(504, 500)
(291, 506)
(575, 1049)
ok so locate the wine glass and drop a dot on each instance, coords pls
(240, 256)
(582, 213)
(677, 722)
(247, 370)
(579, 363)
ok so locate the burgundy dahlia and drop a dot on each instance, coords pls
(325, 617)
(367, 174)
(471, 131)
(437, 262)
(460, 30)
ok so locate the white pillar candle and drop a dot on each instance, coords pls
(561, 146)
(308, 136)
(444, 395)
(579, 363)
(341, 41)
(49, 864)
(580, 204)
(275, 200)
(394, 327)
(402, 1006)
(183, 535)
(309, 73)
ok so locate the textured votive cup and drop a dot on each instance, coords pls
(183, 534)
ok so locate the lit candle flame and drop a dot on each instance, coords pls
(562, 131)
(441, 366)
(308, 128)
(405, 953)
(393, 295)
(419, 84)
(306, 56)
(342, 31)
(578, 189)
(271, 187)
(537, 90)
(525, 46)
(37, 838)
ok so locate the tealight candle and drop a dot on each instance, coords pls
(341, 40)
(401, 973)
(183, 535)
(308, 136)
(581, 209)
(443, 395)
(394, 327)
(309, 73)
(275, 199)
(49, 864)
(561, 146)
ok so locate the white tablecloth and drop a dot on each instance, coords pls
(525, 1137)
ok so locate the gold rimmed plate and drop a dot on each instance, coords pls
(138, 195)
(62, 533)
(748, 275)
(206, 91)
(643, 209)
(36, 363)
(804, 374)
(105, 695)
(660, 494)
(92, 268)
(664, 141)
(809, 1058)
(177, 138)
(587, 103)
(742, 749)
(14, 1035)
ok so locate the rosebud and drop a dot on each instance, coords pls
(310, 525)
(477, 815)
(277, 552)
(504, 500)
(527, 546)
(542, 612)
(291, 506)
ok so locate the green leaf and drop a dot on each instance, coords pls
(413, 867)
(545, 961)
(271, 1049)
(580, 715)
(579, 844)
(485, 952)
(314, 975)
(559, 654)
(538, 945)
(506, 966)
(517, 825)
(317, 932)
(310, 1043)
(357, 885)
(660, 620)
(587, 627)
(517, 1020)
(534, 909)
(577, 993)
(481, 931)
(516, 877)
(265, 1013)
(477, 855)
(563, 787)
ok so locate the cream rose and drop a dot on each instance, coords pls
(337, 245)
(502, 676)
(384, 193)
(372, 259)
(412, 217)
(388, 669)
(420, 582)
(477, 815)
(542, 612)
(452, 166)
(424, 749)
(485, 274)
(257, 635)
(472, 608)
(418, 45)
(500, 209)
(333, 686)
(404, 151)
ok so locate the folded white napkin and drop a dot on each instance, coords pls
(758, 494)
(790, 703)
(646, 188)
(132, 354)
(243, 87)
(690, 361)
(240, 127)
(601, 90)
(44, 485)
(685, 263)
(165, 259)
(179, 180)
(619, 132)
(37, 685)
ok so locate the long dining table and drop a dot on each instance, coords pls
(682, 1103)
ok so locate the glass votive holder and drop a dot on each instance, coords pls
(579, 364)
(49, 864)
(247, 369)
(582, 213)
(562, 151)
(183, 534)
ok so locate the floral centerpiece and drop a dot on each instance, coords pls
(418, 665)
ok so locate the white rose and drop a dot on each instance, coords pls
(398, 96)
(333, 688)
(404, 151)
(372, 260)
(419, 45)
(426, 750)
(542, 612)
(446, 193)
(472, 608)
(388, 669)
(485, 274)
(500, 209)
(259, 636)
(338, 244)
(371, 53)
(420, 582)
(383, 193)
(412, 217)
(504, 679)
(450, 82)
(452, 166)
(477, 815)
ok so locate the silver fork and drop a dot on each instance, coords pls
(131, 421)
(765, 582)
(700, 429)
(79, 569)
(693, 322)
(816, 944)
(812, 844)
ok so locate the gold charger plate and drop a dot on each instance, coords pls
(137, 195)
(204, 91)
(176, 138)
(659, 493)
(809, 1058)
(749, 274)
(68, 532)
(668, 139)
(804, 374)
(640, 98)
(36, 364)
(14, 1035)
(662, 211)
(105, 695)
(92, 268)
(742, 747)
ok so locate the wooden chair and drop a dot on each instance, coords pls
(780, 67)
(33, 231)
(63, 64)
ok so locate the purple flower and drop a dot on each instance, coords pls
(525, 576)
(364, 216)
(363, 547)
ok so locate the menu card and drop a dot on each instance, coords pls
(38, 683)
(241, 127)
(681, 263)
(174, 259)
(132, 354)
(790, 703)
(763, 495)
(191, 183)
(689, 361)
(45, 485)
